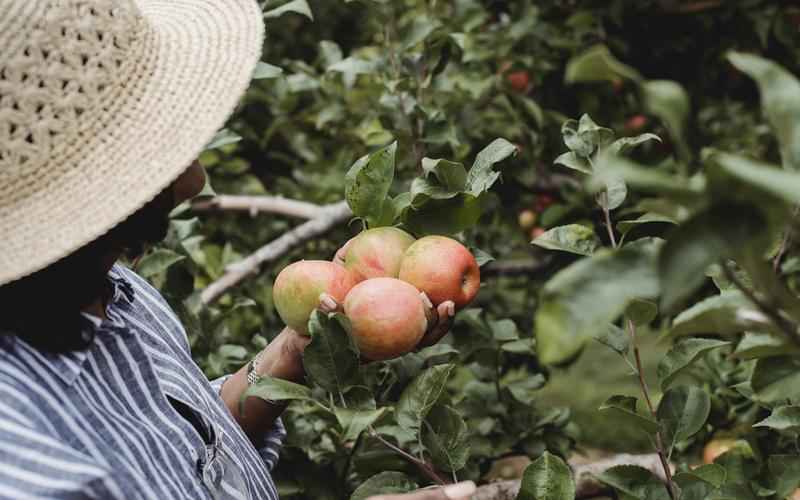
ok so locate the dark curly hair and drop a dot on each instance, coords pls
(44, 308)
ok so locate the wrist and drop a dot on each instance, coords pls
(283, 357)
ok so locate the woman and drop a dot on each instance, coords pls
(104, 106)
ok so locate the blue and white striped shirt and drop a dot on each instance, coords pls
(99, 423)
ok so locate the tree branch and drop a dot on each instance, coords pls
(585, 483)
(328, 217)
(255, 204)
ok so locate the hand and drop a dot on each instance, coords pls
(440, 319)
(339, 257)
(458, 491)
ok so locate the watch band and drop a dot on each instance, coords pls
(252, 375)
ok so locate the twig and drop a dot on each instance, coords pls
(787, 236)
(585, 483)
(423, 466)
(607, 215)
(769, 311)
(662, 455)
(329, 217)
(255, 204)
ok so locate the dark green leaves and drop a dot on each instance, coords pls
(597, 64)
(783, 418)
(776, 380)
(275, 389)
(368, 181)
(572, 238)
(585, 137)
(682, 355)
(157, 261)
(331, 358)
(384, 483)
(548, 478)
(481, 176)
(724, 314)
(354, 421)
(446, 437)
(634, 483)
(623, 409)
(581, 299)
(682, 412)
(419, 397)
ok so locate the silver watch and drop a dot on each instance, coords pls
(252, 376)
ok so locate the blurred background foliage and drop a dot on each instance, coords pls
(445, 78)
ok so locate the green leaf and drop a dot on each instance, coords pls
(572, 238)
(482, 257)
(762, 345)
(682, 355)
(779, 183)
(776, 380)
(526, 389)
(353, 421)
(450, 216)
(669, 101)
(615, 193)
(481, 175)
(597, 64)
(779, 90)
(623, 410)
(548, 478)
(728, 313)
(264, 70)
(624, 226)
(785, 472)
(368, 181)
(222, 138)
(641, 178)
(384, 483)
(623, 144)
(573, 161)
(451, 175)
(297, 6)
(682, 412)
(351, 67)
(276, 389)
(581, 299)
(641, 312)
(446, 438)
(419, 397)
(331, 358)
(706, 238)
(634, 483)
(614, 338)
(157, 261)
(782, 418)
(504, 330)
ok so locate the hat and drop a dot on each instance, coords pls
(103, 103)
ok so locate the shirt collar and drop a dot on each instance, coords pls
(69, 365)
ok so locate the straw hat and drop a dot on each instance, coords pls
(103, 103)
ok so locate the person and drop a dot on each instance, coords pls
(104, 107)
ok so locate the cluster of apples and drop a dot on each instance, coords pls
(379, 284)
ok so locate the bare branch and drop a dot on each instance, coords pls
(329, 216)
(255, 204)
(585, 484)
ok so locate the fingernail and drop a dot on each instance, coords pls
(451, 309)
(426, 300)
(459, 491)
(329, 302)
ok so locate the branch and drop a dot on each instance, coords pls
(513, 267)
(328, 217)
(585, 483)
(423, 466)
(255, 204)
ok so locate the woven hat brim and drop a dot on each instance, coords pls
(196, 63)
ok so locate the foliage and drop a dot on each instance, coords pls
(674, 217)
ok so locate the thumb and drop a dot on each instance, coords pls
(458, 491)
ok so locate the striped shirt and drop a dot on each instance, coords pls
(106, 422)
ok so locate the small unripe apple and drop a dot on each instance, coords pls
(298, 287)
(376, 253)
(636, 123)
(387, 317)
(443, 268)
(715, 448)
(537, 231)
(527, 218)
(519, 80)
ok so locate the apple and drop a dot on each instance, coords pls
(715, 448)
(537, 231)
(636, 124)
(298, 287)
(543, 201)
(442, 268)
(527, 218)
(387, 317)
(519, 80)
(376, 253)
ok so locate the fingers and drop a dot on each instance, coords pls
(458, 491)
(328, 304)
(437, 329)
(431, 314)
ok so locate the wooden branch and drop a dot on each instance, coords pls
(255, 204)
(585, 484)
(513, 267)
(328, 217)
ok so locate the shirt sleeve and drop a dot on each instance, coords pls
(34, 465)
(270, 448)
